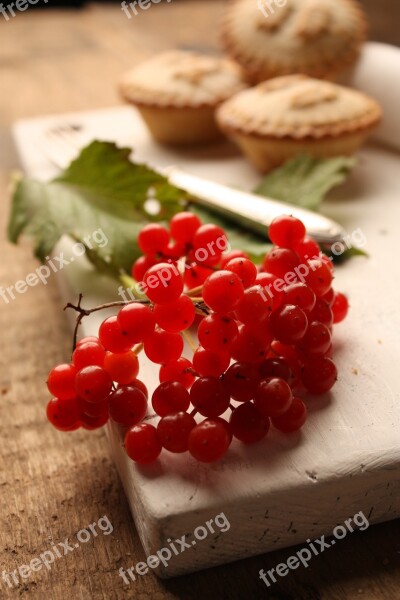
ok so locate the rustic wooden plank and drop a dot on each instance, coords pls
(53, 485)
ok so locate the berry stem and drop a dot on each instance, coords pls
(195, 291)
(192, 372)
(201, 308)
(138, 349)
(85, 312)
(188, 337)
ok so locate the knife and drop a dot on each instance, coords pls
(255, 212)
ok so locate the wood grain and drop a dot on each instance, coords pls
(53, 485)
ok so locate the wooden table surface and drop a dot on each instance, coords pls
(52, 485)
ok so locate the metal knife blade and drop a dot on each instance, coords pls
(256, 212)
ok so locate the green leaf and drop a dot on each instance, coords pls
(305, 180)
(103, 190)
(104, 172)
(100, 190)
(339, 259)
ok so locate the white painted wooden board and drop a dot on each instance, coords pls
(347, 458)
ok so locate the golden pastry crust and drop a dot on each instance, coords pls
(177, 94)
(321, 38)
(178, 79)
(298, 107)
(296, 114)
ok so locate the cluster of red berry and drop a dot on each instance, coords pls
(201, 246)
(264, 339)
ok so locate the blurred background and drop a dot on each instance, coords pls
(55, 59)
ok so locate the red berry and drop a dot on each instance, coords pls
(254, 307)
(208, 441)
(180, 370)
(141, 265)
(153, 239)
(174, 251)
(327, 261)
(209, 242)
(61, 381)
(276, 367)
(142, 443)
(317, 339)
(195, 275)
(177, 316)
(266, 279)
(127, 405)
(329, 297)
(222, 291)
(89, 338)
(183, 226)
(113, 338)
(319, 277)
(340, 307)
(209, 396)
(225, 424)
(209, 363)
(248, 424)
(241, 381)
(122, 368)
(244, 268)
(141, 386)
(137, 321)
(217, 333)
(227, 256)
(252, 344)
(290, 355)
(93, 409)
(273, 397)
(281, 261)
(173, 431)
(91, 423)
(63, 414)
(93, 384)
(89, 353)
(293, 419)
(170, 397)
(288, 324)
(271, 287)
(163, 346)
(307, 249)
(319, 375)
(286, 231)
(321, 312)
(300, 295)
(163, 283)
